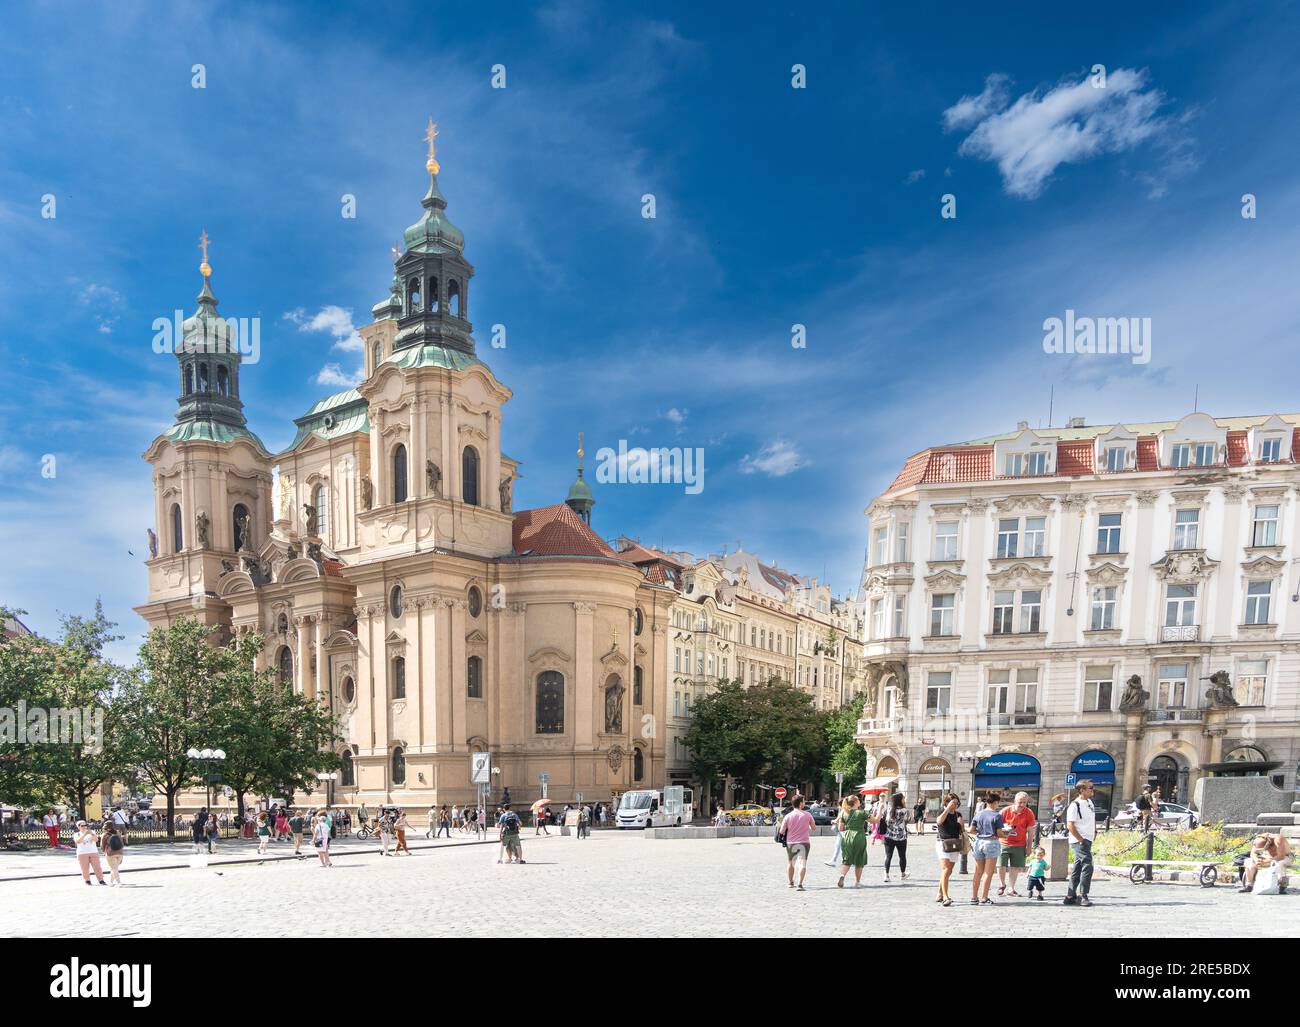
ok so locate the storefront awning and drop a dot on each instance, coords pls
(877, 784)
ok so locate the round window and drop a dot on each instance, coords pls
(639, 620)
(475, 601)
(395, 601)
(349, 690)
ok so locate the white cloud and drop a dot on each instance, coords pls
(1069, 124)
(333, 374)
(914, 176)
(776, 459)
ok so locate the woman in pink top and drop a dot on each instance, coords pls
(796, 829)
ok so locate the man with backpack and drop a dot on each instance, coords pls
(511, 825)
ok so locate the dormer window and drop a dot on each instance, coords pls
(1116, 458)
(1193, 454)
(1018, 465)
(1270, 449)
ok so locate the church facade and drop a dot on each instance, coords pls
(380, 556)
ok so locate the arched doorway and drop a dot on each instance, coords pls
(1164, 773)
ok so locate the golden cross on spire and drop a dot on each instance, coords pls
(431, 165)
(204, 268)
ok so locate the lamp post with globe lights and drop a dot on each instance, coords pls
(208, 759)
(328, 778)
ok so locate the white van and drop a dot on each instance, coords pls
(672, 807)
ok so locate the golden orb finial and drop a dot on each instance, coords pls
(580, 453)
(431, 165)
(205, 269)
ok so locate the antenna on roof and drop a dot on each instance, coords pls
(1051, 402)
(1196, 399)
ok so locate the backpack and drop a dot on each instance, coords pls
(512, 823)
(115, 843)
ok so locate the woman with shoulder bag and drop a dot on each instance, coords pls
(950, 842)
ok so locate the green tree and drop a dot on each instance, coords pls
(71, 689)
(847, 757)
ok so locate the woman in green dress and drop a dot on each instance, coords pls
(853, 835)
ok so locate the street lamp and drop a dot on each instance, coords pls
(973, 758)
(208, 758)
(327, 779)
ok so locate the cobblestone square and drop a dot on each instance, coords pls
(613, 885)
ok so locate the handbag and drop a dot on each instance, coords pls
(779, 835)
(952, 844)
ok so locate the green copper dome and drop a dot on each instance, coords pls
(434, 233)
(581, 492)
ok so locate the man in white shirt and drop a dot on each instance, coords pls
(1081, 822)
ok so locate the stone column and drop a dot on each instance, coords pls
(420, 665)
(492, 487)
(300, 674)
(418, 484)
(585, 725)
(1132, 736)
(458, 680)
(319, 680)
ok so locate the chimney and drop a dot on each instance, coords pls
(1076, 422)
(1021, 425)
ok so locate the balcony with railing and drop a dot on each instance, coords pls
(1174, 715)
(879, 727)
(1024, 719)
(1180, 633)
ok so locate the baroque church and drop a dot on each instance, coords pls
(380, 556)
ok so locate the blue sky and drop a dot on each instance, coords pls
(775, 206)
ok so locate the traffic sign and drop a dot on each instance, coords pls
(780, 793)
(480, 768)
(1070, 779)
(839, 777)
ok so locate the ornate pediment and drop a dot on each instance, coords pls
(1027, 503)
(1184, 565)
(473, 432)
(476, 637)
(1021, 575)
(876, 584)
(394, 638)
(1264, 566)
(945, 581)
(1112, 502)
(1106, 573)
(614, 658)
(549, 652)
(948, 509)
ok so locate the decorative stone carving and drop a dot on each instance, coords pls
(433, 479)
(614, 707)
(1147, 497)
(1219, 694)
(1020, 575)
(153, 542)
(1107, 574)
(241, 528)
(367, 493)
(309, 518)
(978, 505)
(1233, 492)
(1074, 501)
(1135, 696)
(945, 581)
(507, 484)
(1264, 566)
(201, 523)
(584, 607)
(1031, 503)
(615, 758)
(1112, 502)
(1184, 565)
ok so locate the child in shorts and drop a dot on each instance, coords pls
(1038, 873)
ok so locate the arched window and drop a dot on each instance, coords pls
(189, 379)
(376, 352)
(453, 297)
(434, 295)
(178, 533)
(412, 295)
(284, 664)
(349, 690)
(638, 620)
(399, 677)
(399, 474)
(399, 766)
(638, 764)
(239, 524)
(348, 774)
(550, 703)
(636, 686)
(474, 673)
(203, 377)
(469, 475)
(321, 501)
(395, 601)
(223, 381)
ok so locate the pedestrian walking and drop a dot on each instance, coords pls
(539, 821)
(1143, 804)
(895, 830)
(401, 827)
(796, 830)
(1038, 874)
(114, 849)
(298, 825)
(432, 820)
(444, 822)
(511, 825)
(950, 842)
(211, 833)
(197, 829)
(263, 832)
(918, 815)
(1081, 823)
(320, 839)
(51, 824)
(385, 833)
(989, 831)
(87, 845)
(877, 818)
(853, 823)
(1019, 821)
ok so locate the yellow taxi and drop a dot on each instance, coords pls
(749, 813)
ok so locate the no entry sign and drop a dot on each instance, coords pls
(780, 793)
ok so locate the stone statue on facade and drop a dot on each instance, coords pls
(367, 494)
(241, 529)
(1219, 694)
(153, 542)
(227, 568)
(309, 518)
(614, 708)
(201, 523)
(293, 552)
(1135, 696)
(433, 478)
(285, 500)
(507, 485)
(313, 551)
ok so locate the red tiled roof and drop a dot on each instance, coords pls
(1074, 458)
(556, 531)
(330, 567)
(913, 471)
(1148, 454)
(637, 553)
(1238, 452)
(1295, 445)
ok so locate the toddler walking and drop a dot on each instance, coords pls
(1037, 873)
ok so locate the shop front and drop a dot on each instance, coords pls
(934, 778)
(1007, 773)
(1099, 767)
